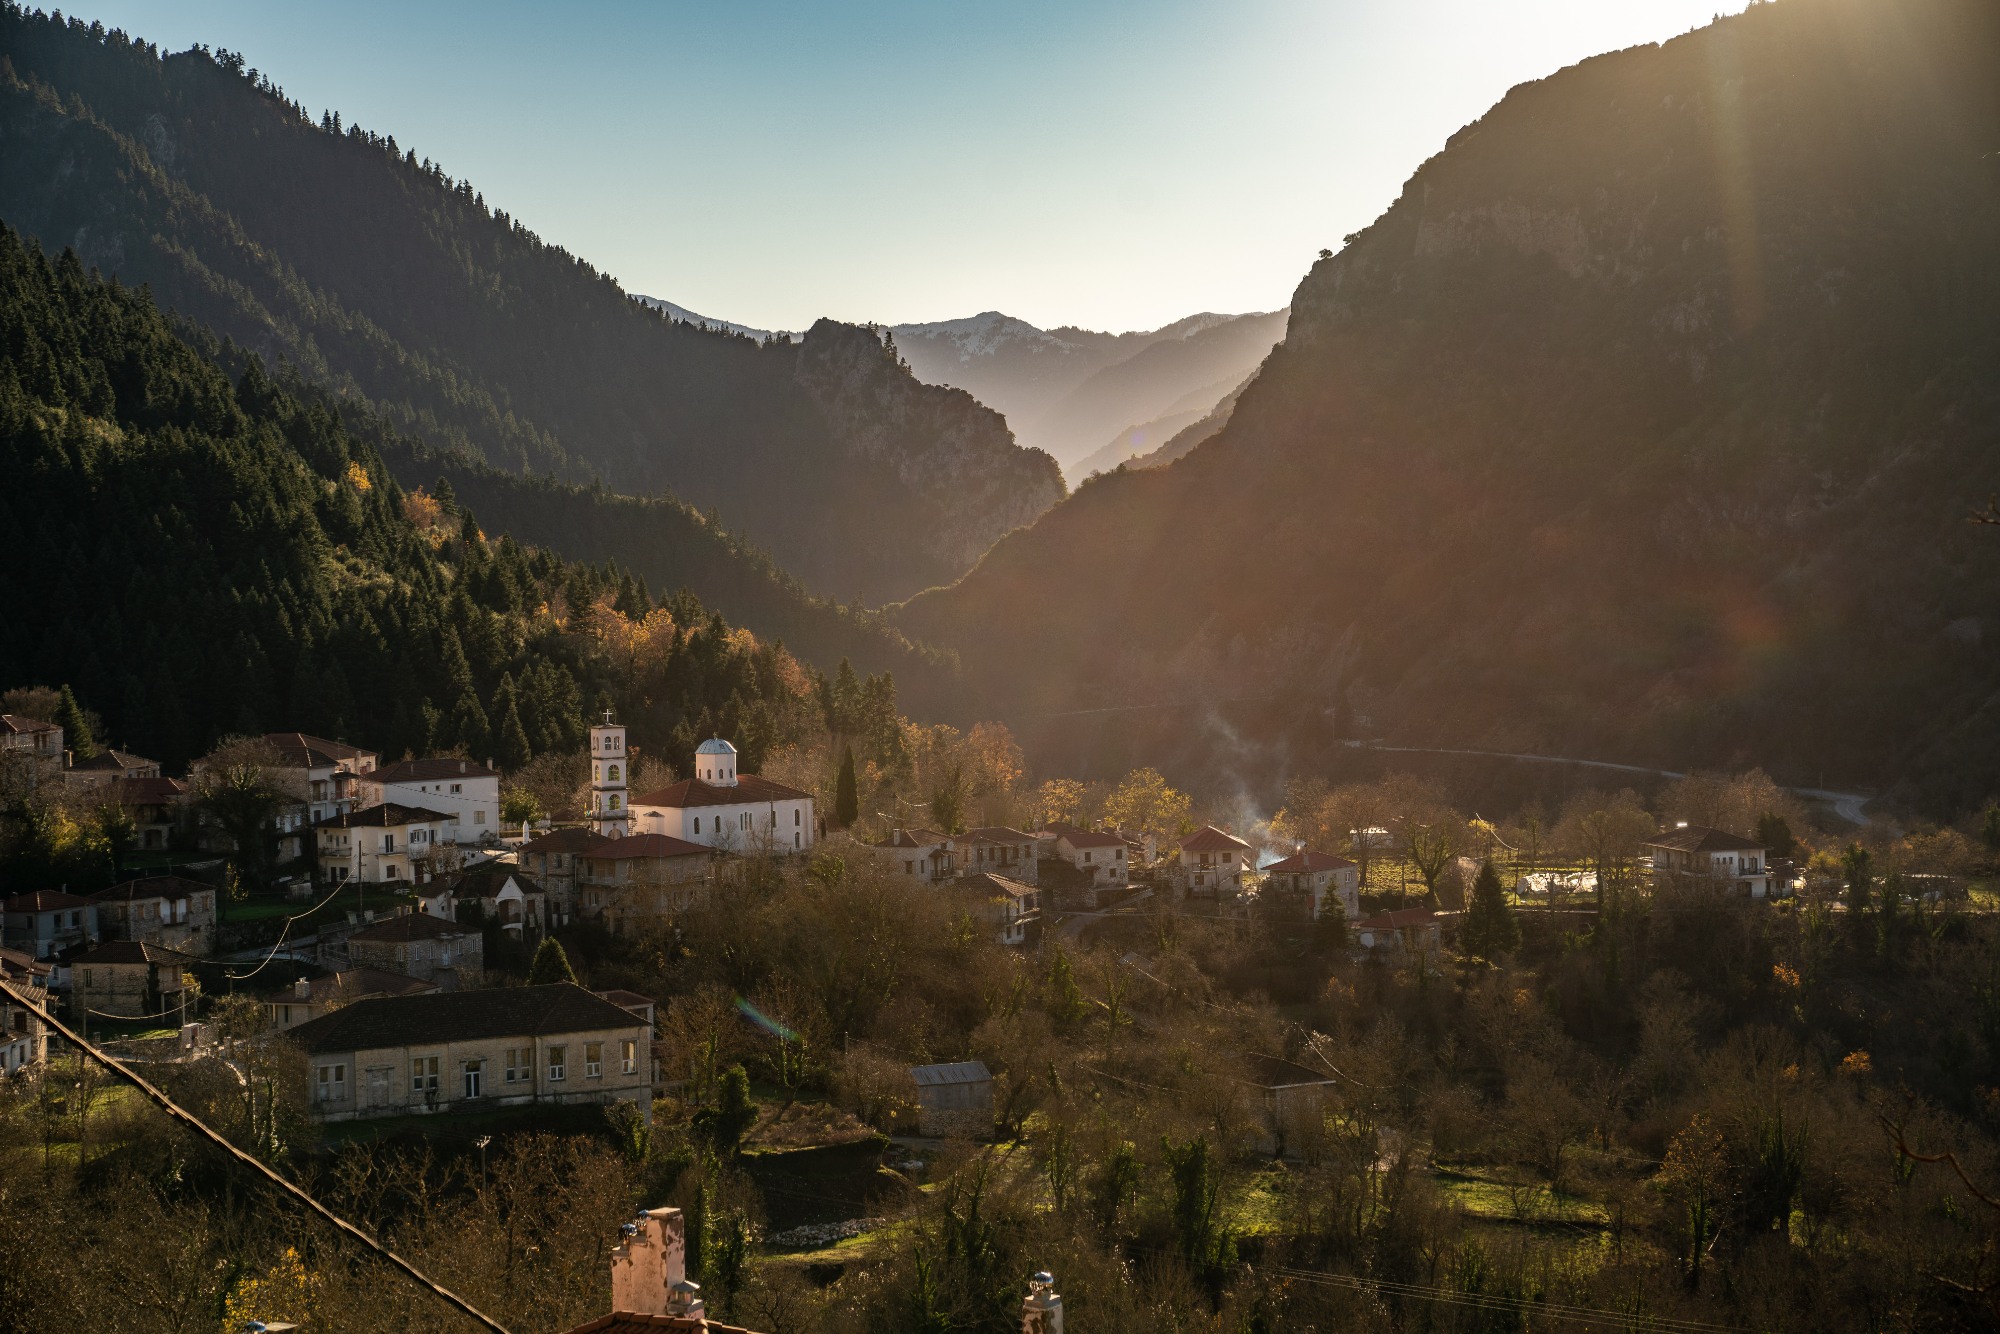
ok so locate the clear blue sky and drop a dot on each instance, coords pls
(1109, 163)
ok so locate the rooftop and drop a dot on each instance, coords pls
(315, 752)
(412, 926)
(487, 882)
(13, 724)
(387, 815)
(353, 984)
(913, 838)
(691, 792)
(44, 900)
(112, 761)
(424, 771)
(1305, 862)
(1210, 839)
(646, 845)
(991, 883)
(131, 951)
(951, 1072)
(152, 887)
(1699, 838)
(1088, 838)
(462, 1016)
(574, 839)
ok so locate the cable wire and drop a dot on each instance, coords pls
(258, 1166)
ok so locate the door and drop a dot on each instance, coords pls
(473, 1070)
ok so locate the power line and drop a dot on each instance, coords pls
(257, 1165)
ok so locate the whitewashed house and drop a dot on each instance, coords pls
(465, 792)
(923, 855)
(385, 844)
(1098, 856)
(1692, 852)
(729, 811)
(1213, 861)
(321, 778)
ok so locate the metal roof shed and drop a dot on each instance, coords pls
(954, 1100)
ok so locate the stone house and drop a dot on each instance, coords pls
(1318, 878)
(33, 740)
(165, 910)
(1286, 1102)
(107, 767)
(555, 862)
(309, 998)
(320, 776)
(997, 848)
(954, 1100)
(643, 878)
(465, 792)
(420, 946)
(923, 855)
(501, 894)
(381, 845)
(467, 1050)
(47, 922)
(131, 979)
(1405, 931)
(1009, 907)
(1100, 857)
(156, 807)
(24, 1038)
(1213, 861)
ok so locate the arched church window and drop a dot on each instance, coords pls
(614, 773)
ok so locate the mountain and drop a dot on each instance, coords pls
(1643, 425)
(686, 316)
(1068, 390)
(378, 275)
(199, 555)
(1167, 437)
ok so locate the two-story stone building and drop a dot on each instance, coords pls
(47, 921)
(468, 1050)
(421, 946)
(131, 979)
(924, 855)
(1712, 857)
(165, 910)
(998, 849)
(381, 845)
(1213, 861)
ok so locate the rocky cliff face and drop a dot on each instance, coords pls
(1642, 425)
(957, 457)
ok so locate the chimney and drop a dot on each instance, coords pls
(649, 1269)
(1041, 1313)
(302, 989)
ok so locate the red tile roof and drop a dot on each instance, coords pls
(15, 725)
(995, 834)
(634, 846)
(109, 760)
(913, 838)
(1307, 862)
(148, 791)
(691, 792)
(1086, 838)
(425, 771)
(1210, 839)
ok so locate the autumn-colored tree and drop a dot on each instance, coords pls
(1144, 803)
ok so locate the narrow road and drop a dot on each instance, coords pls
(1849, 806)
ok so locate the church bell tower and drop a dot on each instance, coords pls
(610, 811)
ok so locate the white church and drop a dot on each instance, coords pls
(717, 808)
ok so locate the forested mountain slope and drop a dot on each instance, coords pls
(377, 274)
(196, 556)
(1644, 425)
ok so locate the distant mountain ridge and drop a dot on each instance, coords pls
(686, 316)
(1068, 390)
(1643, 425)
(377, 275)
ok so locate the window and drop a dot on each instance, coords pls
(796, 821)
(697, 824)
(593, 1060)
(332, 1083)
(614, 801)
(479, 817)
(424, 1078)
(86, 977)
(457, 788)
(628, 1057)
(517, 1069)
(744, 819)
(389, 874)
(284, 1014)
(612, 773)
(473, 1071)
(909, 867)
(388, 842)
(556, 1055)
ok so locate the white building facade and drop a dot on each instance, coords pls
(610, 812)
(465, 792)
(729, 811)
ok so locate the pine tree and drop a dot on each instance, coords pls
(75, 725)
(510, 738)
(846, 797)
(1490, 928)
(551, 964)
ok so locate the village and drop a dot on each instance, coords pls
(425, 944)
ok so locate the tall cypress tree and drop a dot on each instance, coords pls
(846, 796)
(75, 725)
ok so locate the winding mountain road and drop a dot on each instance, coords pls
(1849, 806)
